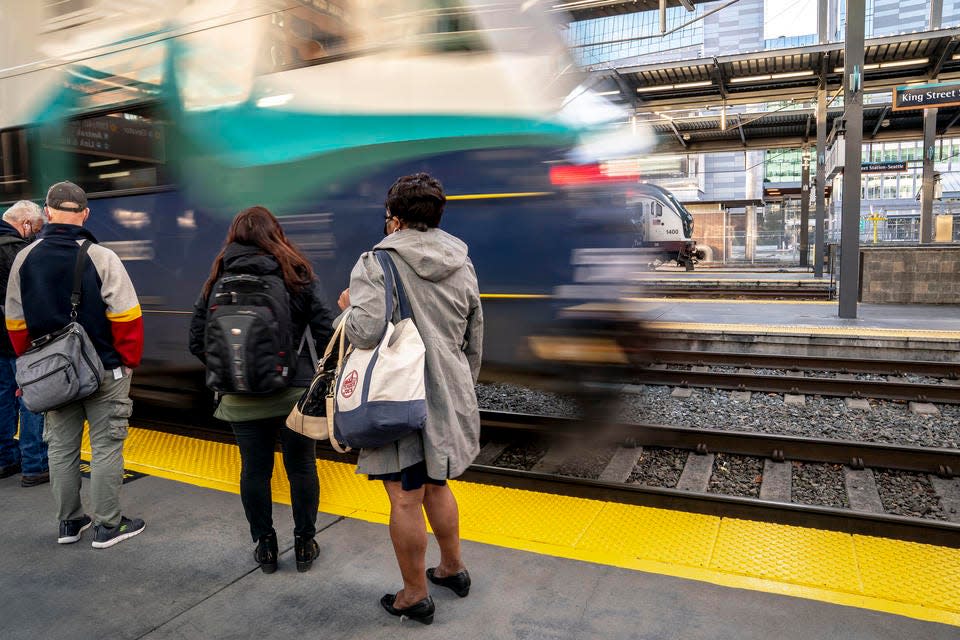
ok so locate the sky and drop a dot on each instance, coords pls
(789, 18)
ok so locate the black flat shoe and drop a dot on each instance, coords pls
(421, 611)
(458, 582)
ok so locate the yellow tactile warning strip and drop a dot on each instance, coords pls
(903, 578)
(812, 330)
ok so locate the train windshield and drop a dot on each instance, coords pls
(685, 215)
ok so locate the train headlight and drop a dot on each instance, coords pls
(575, 349)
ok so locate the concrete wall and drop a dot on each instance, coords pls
(918, 274)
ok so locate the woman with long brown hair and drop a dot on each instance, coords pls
(257, 253)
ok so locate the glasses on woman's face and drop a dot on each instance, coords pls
(386, 224)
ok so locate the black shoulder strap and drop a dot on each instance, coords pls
(78, 277)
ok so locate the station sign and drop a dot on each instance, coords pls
(883, 167)
(926, 96)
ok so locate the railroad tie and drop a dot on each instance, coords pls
(794, 399)
(556, 455)
(924, 409)
(777, 481)
(490, 452)
(862, 490)
(696, 473)
(621, 465)
(949, 492)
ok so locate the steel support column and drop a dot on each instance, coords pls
(853, 145)
(926, 190)
(935, 17)
(819, 232)
(823, 11)
(929, 144)
(805, 208)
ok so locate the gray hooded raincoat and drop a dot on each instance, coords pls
(442, 287)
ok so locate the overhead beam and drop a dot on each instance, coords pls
(945, 55)
(743, 137)
(806, 131)
(676, 131)
(953, 121)
(720, 79)
(687, 5)
(883, 114)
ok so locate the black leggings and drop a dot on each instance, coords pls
(257, 440)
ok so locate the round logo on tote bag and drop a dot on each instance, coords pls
(349, 384)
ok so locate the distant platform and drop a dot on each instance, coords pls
(914, 332)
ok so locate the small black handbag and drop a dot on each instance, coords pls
(312, 416)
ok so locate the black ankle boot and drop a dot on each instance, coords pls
(266, 553)
(306, 550)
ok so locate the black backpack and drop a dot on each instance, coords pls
(248, 338)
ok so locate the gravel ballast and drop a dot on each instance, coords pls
(907, 494)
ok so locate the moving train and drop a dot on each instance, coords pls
(175, 115)
(664, 225)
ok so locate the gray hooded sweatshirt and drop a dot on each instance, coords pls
(445, 299)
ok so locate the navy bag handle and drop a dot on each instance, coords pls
(392, 282)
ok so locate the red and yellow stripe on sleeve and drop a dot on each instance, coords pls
(19, 336)
(127, 329)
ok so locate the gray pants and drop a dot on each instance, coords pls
(107, 412)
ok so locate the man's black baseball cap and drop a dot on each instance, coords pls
(63, 192)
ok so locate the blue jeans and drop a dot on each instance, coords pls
(32, 451)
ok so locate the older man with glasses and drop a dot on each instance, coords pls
(20, 224)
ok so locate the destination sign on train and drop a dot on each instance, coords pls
(924, 96)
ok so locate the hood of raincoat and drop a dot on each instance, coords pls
(433, 254)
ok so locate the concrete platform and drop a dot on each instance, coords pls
(912, 332)
(190, 575)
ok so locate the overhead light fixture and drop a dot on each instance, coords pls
(773, 76)
(608, 93)
(955, 56)
(103, 163)
(118, 174)
(889, 65)
(682, 85)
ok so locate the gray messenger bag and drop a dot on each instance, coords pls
(63, 366)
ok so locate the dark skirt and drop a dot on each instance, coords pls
(410, 478)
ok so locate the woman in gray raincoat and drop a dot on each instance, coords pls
(442, 287)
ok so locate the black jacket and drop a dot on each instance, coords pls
(306, 307)
(10, 245)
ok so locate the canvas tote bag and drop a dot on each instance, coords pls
(380, 394)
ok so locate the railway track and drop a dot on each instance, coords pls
(807, 363)
(740, 290)
(566, 436)
(866, 516)
(793, 381)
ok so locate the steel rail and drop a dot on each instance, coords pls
(769, 292)
(943, 462)
(924, 531)
(920, 530)
(907, 391)
(807, 363)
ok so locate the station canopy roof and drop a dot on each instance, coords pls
(588, 9)
(769, 95)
